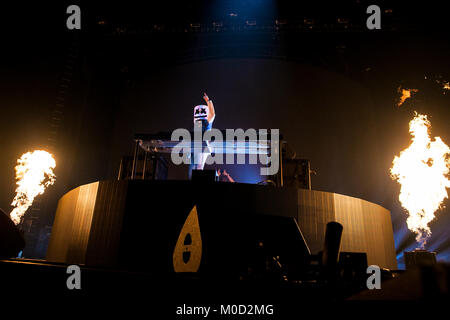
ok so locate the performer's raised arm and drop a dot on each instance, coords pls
(211, 113)
(203, 119)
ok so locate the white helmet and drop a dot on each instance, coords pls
(201, 112)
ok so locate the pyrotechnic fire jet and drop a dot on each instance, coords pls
(422, 171)
(34, 173)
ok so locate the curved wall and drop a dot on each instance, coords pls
(367, 226)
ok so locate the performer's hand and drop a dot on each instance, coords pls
(205, 96)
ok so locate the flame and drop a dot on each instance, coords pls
(34, 173)
(405, 94)
(422, 171)
(444, 84)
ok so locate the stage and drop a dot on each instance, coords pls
(136, 223)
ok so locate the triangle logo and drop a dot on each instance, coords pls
(187, 254)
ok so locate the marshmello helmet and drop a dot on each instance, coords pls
(200, 113)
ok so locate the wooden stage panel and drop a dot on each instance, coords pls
(82, 221)
(315, 210)
(72, 225)
(59, 241)
(104, 237)
(133, 223)
(367, 226)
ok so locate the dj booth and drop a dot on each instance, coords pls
(158, 225)
(151, 153)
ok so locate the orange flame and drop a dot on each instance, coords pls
(422, 171)
(34, 173)
(405, 94)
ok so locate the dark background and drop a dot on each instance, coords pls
(319, 75)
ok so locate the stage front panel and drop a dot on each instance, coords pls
(136, 223)
(367, 226)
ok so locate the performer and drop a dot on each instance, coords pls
(203, 119)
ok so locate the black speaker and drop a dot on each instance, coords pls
(11, 238)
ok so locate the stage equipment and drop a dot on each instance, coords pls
(11, 238)
(146, 167)
(161, 143)
(332, 245)
(282, 243)
(419, 258)
(352, 267)
(330, 253)
(297, 173)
